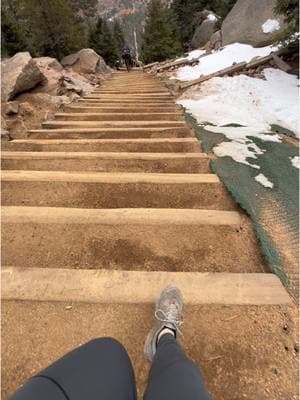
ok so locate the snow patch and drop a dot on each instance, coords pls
(212, 17)
(239, 152)
(263, 180)
(296, 162)
(270, 26)
(247, 101)
(241, 146)
(233, 53)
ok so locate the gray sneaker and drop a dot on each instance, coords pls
(168, 312)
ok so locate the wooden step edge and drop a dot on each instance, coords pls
(114, 115)
(25, 155)
(114, 141)
(107, 177)
(110, 129)
(141, 123)
(107, 286)
(119, 217)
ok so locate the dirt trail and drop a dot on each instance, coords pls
(118, 182)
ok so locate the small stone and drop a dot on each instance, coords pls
(286, 328)
(68, 307)
(296, 347)
(286, 348)
(26, 109)
(12, 107)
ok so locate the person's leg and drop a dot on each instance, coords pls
(100, 369)
(173, 375)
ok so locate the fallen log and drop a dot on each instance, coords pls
(225, 71)
(176, 64)
(281, 64)
(150, 65)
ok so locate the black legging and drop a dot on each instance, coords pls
(101, 370)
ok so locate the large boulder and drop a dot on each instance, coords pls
(19, 73)
(86, 61)
(252, 22)
(205, 30)
(53, 71)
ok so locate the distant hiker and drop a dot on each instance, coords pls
(118, 65)
(126, 55)
(101, 369)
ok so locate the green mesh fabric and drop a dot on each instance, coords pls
(274, 212)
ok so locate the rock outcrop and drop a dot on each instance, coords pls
(86, 61)
(40, 86)
(215, 42)
(19, 74)
(245, 22)
(53, 72)
(205, 30)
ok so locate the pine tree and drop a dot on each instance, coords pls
(101, 40)
(11, 37)
(161, 37)
(118, 36)
(54, 30)
(290, 10)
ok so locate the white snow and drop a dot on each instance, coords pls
(212, 17)
(251, 102)
(239, 152)
(270, 26)
(263, 180)
(241, 146)
(233, 53)
(296, 162)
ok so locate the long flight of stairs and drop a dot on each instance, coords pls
(102, 207)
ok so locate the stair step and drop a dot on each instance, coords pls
(112, 133)
(129, 239)
(110, 190)
(122, 109)
(136, 92)
(138, 287)
(128, 96)
(89, 116)
(114, 124)
(172, 145)
(133, 101)
(106, 162)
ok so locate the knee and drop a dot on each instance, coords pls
(108, 344)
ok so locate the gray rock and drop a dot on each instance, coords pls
(49, 100)
(204, 31)
(86, 61)
(215, 42)
(77, 85)
(244, 23)
(5, 135)
(49, 63)
(19, 74)
(12, 107)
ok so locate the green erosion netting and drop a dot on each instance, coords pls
(275, 211)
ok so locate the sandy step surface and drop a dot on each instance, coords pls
(165, 145)
(111, 133)
(114, 190)
(106, 162)
(245, 352)
(143, 116)
(129, 239)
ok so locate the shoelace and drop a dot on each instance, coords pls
(169, 317)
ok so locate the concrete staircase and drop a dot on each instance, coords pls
(107, 204)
